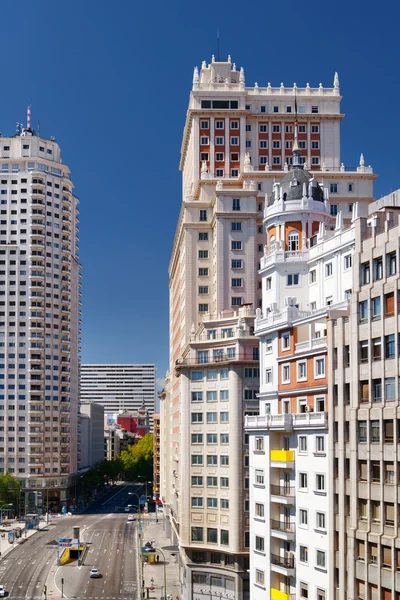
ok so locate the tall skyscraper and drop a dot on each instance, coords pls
(39, 312)
(238, 143)
(119, 387)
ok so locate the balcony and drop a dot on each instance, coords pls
(282, 494)
(217, 359)
(283, 562)
(284, 530)
(282, 457)
(310, 344)
(278, 595)
(280, 256)
(287, 421)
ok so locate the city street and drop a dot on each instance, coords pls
(112, 548)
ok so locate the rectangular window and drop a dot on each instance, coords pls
(224, 395)
(212, 460)
(376, 308)
(391, 264)
(204, 124)
(203, 236)
(197, 417)
(212, 481)
(333, 188)
(347, 261)
(236, 226)
(237, 282)
(203, 308)
(389, 304)
(197, 534)
(237, 264)
(363, 310)
(224, 482)
(224, 460)
(234, 141)
(302, 370)
(212, 417)
(203, 272)
(260, 577)
(276, 160)
(235, 245)
(219, 156)
(259, 477)
(203, 289)
(334, 210)
(320, 482)
(314, 109)
(303, 483)
(236, 204)
(197, 481)
(224, 537)
(303, 554)
(259, 543)
(197, 375)
(321, 559)
(219, 124)
(197, 460)
(285, 373)
(219, 141)
(263, 128)
(203, 253)
(314, 128)
(212, 502)
(328, 269)
(320, 444)
(389, 346)
(378, 268)
(204, 141)
(263, 143)
(319, 366)
(236, 301)
(197, 438)
(212, 395)
(313, 276)
(224, 438)
(197, 502)
(292, 279)
(303, 516)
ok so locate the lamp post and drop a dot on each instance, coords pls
(139, 538)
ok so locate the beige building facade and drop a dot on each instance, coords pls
(237, 143)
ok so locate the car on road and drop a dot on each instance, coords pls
(2, 591)
(94, 573)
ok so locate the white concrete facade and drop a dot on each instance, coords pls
(40, 315)
(91, 438)
(119, 387)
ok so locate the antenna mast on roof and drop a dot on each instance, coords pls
(28, 117)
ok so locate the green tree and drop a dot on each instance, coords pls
(138, 459)
(10, 490)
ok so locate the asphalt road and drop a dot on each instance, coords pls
(112, 548)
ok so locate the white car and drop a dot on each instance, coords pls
(2, 591)
(94, 573)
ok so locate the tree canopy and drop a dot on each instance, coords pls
(10, 489)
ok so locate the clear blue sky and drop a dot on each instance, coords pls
(111, 81)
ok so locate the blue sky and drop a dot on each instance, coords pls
(111, 81)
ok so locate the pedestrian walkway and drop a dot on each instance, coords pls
(155, 574)
(12, 525)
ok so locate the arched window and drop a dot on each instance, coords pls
(293, 241)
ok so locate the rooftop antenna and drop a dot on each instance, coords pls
(38, 128)
(217, 45)
(28, 117)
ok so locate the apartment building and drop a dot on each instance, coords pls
(39, 312)
(125, 387)
(238, 142)
(363, 346)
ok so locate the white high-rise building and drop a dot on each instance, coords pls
(237, 144)
(121, 387)
(39, 317)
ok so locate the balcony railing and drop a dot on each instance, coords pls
(285, 526)
(220, 358)
(282, 455)
(281, 490)
(287, 562)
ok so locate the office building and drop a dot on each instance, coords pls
(238, 143)
(39, 312)
(91, 434)
(119, 387)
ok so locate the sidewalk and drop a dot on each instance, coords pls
(5, 546)
(153, 530)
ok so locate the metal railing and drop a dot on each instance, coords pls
(286, 526)
(220, 358)
(281, 490)
(287, 562)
